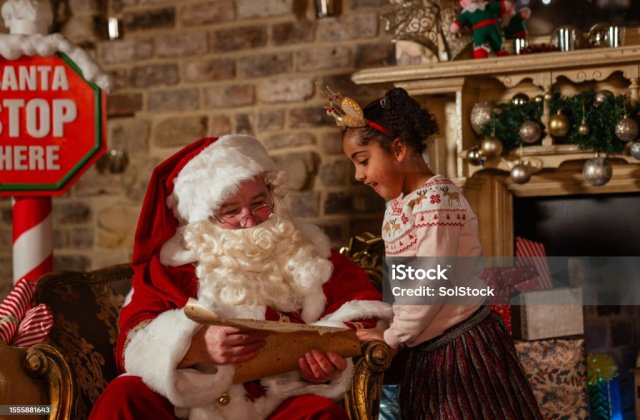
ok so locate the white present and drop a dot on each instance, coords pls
(548, 313)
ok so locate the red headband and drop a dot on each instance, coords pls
(379, 128)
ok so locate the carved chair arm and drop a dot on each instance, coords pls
(44, 361)
(362, 401)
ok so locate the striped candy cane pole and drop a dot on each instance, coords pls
(32, 238)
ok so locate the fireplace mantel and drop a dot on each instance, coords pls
(543, 69)
(450, 89)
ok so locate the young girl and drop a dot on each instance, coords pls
(461, 361)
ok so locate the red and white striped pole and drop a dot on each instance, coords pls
(32, 238)
(32, 226)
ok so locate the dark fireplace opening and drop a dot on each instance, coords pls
(581, 225)
(592, 225)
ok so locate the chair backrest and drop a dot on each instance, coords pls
(85, 308)
(367, 250)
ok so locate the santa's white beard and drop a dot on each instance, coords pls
(243, 270)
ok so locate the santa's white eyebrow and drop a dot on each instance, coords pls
(255, 197)
(260, 195)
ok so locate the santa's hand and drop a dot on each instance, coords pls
(232, 345)
(223, 345)
(318, 367)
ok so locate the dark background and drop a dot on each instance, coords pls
(581, 13)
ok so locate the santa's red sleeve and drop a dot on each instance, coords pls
(170, 290)
(352, 298)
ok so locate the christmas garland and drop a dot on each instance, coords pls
(592, 118)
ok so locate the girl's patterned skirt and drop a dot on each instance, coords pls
(471, 371)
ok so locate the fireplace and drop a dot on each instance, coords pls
(451, 89)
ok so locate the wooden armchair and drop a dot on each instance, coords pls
(77, 361)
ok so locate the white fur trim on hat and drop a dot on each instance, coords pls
(214, 175)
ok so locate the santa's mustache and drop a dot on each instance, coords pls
(271, 264)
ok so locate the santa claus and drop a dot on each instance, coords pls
(214, 227)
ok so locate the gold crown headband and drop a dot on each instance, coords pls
(348, 113)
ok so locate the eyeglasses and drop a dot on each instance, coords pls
(260, 213)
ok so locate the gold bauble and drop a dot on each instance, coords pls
(520, 99)
(491, 147)
(475, 157)
(583, 130)
(558, 125)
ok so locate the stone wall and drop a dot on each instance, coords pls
(190, 68)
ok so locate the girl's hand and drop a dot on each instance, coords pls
(374, 334)
(319, 367)
(370, 334)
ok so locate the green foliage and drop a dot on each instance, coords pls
(507, 119)
(601, 119)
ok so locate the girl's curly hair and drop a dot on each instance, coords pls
(403, 117)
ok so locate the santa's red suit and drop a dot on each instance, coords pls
(155, 334)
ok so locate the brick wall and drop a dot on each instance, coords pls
(190, 68)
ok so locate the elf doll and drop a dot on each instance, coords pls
(514, 26)
(482, 18)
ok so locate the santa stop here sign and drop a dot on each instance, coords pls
(52, 125)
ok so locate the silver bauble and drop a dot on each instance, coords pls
(597, 171)
(491, 147)
(530, 131)
(481, 115)
(626, 129)
(475, 157)
(635, 149)
(601, 97)
(520, 99)
(520, 173)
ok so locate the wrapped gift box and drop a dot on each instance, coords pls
(548, 313)
(557, 372)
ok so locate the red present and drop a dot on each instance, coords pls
(533, 254)
(13, 308)
(505, 314)
(34, 328)
(507, 280)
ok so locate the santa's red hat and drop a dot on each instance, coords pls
(192, 184)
